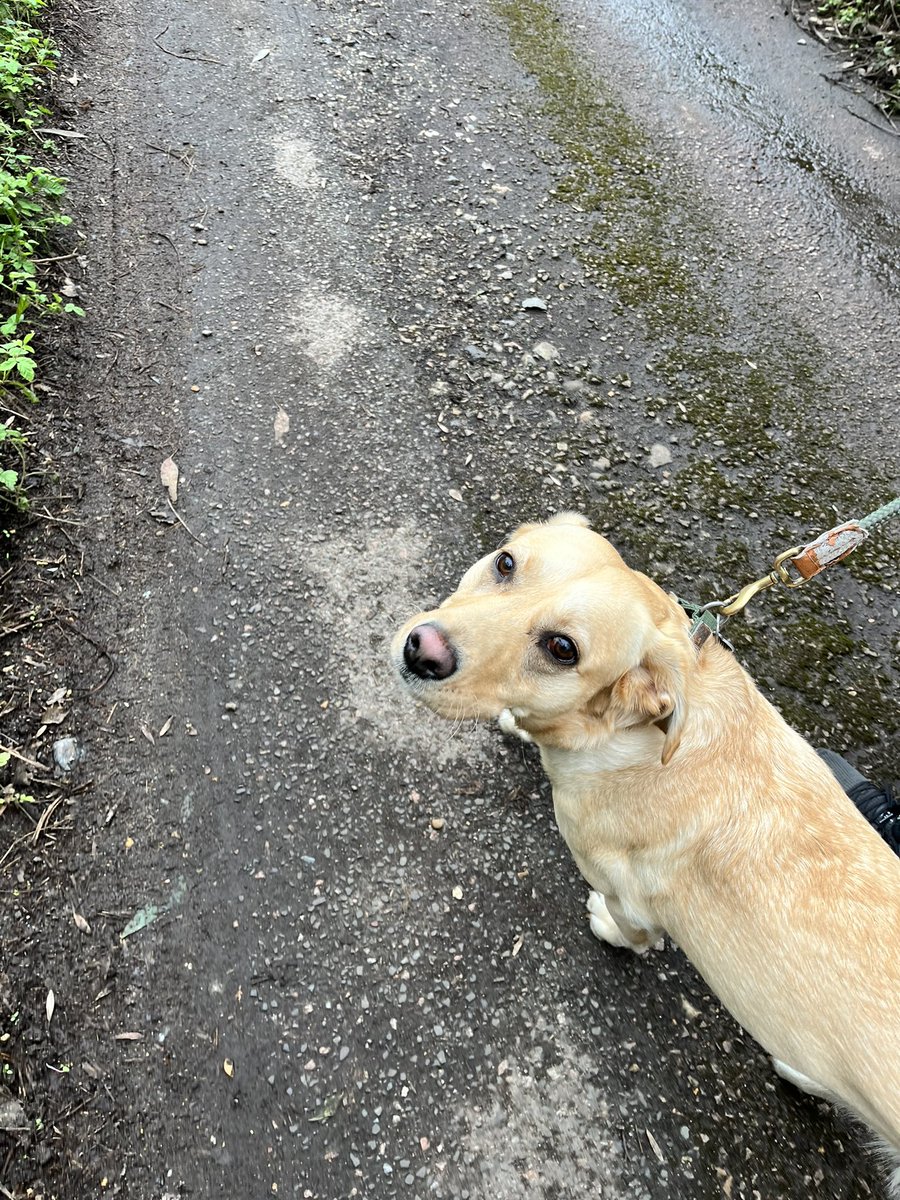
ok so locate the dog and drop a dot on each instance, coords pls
(690, 807)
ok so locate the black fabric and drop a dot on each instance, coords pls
(881, 808)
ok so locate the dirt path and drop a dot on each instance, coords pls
(310, 229)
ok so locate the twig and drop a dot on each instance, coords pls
(189, 57)
(22, 758)
(165, 237)
(113, 665)
(881, 128)
(182, 156)
(105, 586)
(178, 517)
(56, 258)
(45, 817)
(45, 516)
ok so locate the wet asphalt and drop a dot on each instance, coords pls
(386, 279)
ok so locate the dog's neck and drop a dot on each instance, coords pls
(611, 749)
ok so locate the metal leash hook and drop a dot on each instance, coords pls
(824, 551)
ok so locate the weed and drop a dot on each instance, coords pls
(870, 31)
(29, 216)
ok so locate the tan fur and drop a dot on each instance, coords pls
(690, 806)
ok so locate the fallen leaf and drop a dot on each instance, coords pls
(654, 1146)
(165, 516)
(58, 696)
(260, 55)
(228, 1068)
(167, 725)
(168, 474)
(51, 1005)
(69, 288)
(54, 715)
(128, 1037)
(80, 922)
(68, 133)
(282, 425)
(456, 495)
(142, 918)
(329, 1108)
(147, 734)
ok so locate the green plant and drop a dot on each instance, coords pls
(870, 30)
(9, 795)
(30, 193)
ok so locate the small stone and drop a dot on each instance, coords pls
(473, 353)
(547, 351)
(457, 893)
(66, 753)
(660, 455)
(12, 1116)
(437, 822)
(534, 304)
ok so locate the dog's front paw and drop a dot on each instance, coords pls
(602, 924)
(605, 927)
(507, 723)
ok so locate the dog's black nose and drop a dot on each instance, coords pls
(428, 653)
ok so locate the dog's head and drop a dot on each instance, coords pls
(557, 629)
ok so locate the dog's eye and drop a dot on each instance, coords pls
(561, 648)
(505, 564)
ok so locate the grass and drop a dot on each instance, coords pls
(29, 217)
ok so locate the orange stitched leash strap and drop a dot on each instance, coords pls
(827, 549)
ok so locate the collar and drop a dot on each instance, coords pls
(706, 622)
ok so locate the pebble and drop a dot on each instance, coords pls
(437, 822)
(547, 351)
(66, 753)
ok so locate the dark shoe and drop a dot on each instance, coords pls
(879, 806)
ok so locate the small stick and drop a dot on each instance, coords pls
(189, 57)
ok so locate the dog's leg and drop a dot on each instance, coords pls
(799, 1080)
(609, 924)
(507, 723)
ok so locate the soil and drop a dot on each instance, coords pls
(307, 232)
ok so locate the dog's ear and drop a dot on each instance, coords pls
(569, 518)
(656, 691)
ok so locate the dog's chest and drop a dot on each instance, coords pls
(609, 836)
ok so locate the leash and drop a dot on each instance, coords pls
(793, 568)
